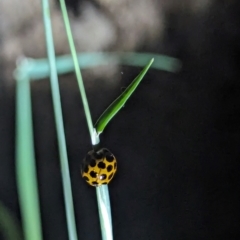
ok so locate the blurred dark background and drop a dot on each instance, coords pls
(176, 140)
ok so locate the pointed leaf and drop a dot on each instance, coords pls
(112, 110)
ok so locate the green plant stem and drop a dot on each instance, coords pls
(39, 68)
(102, 191)
(25, 161)
(59, 124)
(92, 132)
(104, 209)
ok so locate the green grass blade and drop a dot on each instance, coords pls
(9, 227)
(25, 162)
(161, 62)
(39, 68)
(78, 73)
(112, 110)
(67, 190)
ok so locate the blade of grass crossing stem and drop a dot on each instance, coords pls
(39, 68)
(161, 62)
(93, 135)
(112, 110)
(25, 163)
(59, 124)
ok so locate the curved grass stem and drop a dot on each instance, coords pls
(39, 68)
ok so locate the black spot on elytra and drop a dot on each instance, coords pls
(92, 163)
(101, 165)
(103, 176)
(104, 183)
(109, 157)
(110, 176)
(93, 174)
(109, 168)
(94, 183)
(86, 178)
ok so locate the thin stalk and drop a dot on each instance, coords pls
(92, 132)
(104, 209)
(59, 123)
(25, 162)
(103, 200)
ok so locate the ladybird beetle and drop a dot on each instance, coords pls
(99, 167)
